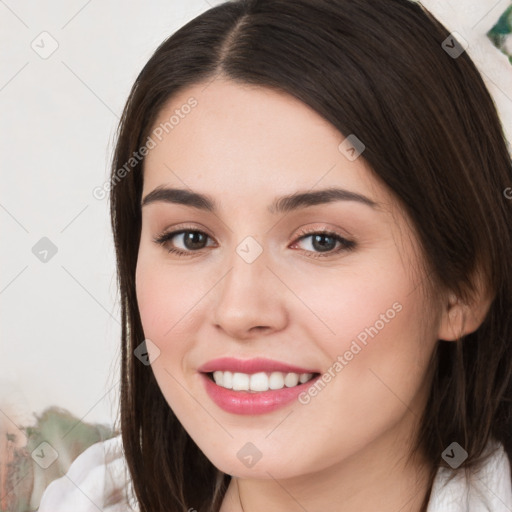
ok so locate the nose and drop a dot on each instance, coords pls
(250, 299)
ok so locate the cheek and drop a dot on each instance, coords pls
(171, 301)
(151, 299)
(165, 299)
(163, 307)
(358, 302)
(159, 308)
(370, 324)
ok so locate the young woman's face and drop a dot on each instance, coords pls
(258, 280)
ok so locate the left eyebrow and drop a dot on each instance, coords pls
(281, 204)
(304, 199)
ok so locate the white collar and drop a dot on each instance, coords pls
(487, 490)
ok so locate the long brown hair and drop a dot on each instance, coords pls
(375, 68)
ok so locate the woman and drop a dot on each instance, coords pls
(312, 245)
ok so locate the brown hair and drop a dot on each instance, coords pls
(375, 68)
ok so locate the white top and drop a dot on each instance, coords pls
(98, 479)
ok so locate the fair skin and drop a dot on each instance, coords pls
(346, 449)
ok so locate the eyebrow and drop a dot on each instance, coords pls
(281, 204)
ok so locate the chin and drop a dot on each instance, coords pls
(279, 466)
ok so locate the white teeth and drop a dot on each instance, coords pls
(291, 380)
(240, 382)
(218, 377)
(260, 381)
(276, 380)
(227, 380)
(304, 377)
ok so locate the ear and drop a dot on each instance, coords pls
(459, 318)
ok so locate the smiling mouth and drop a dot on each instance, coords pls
(260, 381)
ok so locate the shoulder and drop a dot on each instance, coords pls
(488, 489)
(96, 480)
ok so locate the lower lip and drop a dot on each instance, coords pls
(244, 402)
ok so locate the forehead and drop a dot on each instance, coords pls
(249, 140)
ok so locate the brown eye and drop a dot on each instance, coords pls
(191, 240)
(325, 242)
(194, 240)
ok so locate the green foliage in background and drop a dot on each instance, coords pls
(501, 33)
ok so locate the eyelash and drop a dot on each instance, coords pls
(346, 245)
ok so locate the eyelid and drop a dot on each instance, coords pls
(324, 228)
(183, 227)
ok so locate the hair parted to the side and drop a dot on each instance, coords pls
(375, 68)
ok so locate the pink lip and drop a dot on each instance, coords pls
(251, 366)
(251, 403)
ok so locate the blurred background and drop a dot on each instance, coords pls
(66, 71)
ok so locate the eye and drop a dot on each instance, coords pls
(325, 242)
(192, 239)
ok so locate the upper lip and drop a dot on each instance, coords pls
(251, 366)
